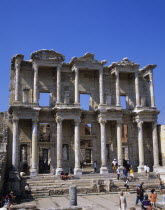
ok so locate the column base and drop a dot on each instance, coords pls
(158, 168)
(33, 172)
(140, 169)
(138, 106)
(77, 171)
(58, 171)
(104, 170)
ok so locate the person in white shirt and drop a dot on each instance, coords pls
(114, 165)
(118, 172)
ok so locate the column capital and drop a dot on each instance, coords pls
(119, 121)
(18, 62)
(59, 67)
(15, 120)
(101, 70)
(117, 73)
(139, 122)
(76, 69)
(59, 120)
(17, 65)
(103, 122)
(77, 121)
(35, 120)
(155, 123)
(35, 66)
(150, 76)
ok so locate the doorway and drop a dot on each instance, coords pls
(44, 162)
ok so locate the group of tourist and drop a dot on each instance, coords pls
(147, 202)
(7, 200)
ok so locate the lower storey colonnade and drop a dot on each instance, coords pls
(103, 139)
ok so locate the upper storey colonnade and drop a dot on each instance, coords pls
(50, 58)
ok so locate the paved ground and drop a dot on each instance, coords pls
(96, 202)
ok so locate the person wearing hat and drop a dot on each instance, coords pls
(114, 165)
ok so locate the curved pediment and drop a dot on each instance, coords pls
(47, 55)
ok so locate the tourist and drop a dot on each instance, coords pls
(145, 169)
(163, 195)
(118, 172)
(160, 185)
(114, 165)
(27, 189)
(62, 175)
(125, 173)
(122, 202)
(138, 197)
(146, 202)
(142, 191)
(153, 197)
(95, 166)
(148, 172)
(157, 174)
(131, 174)
(127, 184)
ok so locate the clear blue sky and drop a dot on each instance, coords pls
(111, 29)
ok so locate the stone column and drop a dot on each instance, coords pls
(59, 146)
(119, 143)
(15, 145)
(101, 90)
(141, 146)
(58, 84)
(77, 169)
(17, 72)
(152, 90)
(137, 89)
(155, 144)
(34, 164)
(117, 89)
(77, 100)
(103, 169)
(35, 91)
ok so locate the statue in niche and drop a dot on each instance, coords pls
(23, 154)
(65, 152)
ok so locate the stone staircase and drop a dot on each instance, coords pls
(49, 185)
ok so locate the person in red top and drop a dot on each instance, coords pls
(153, 198)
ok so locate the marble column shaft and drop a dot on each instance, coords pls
(119, 143)
(77, 101)
(140, 143)
(117, 89)
(15, 145)
(59, 84)
(35, 93)
(103, 143)
(101, 90)
(155, 144)
(34, 146)
(152, 90)
(137, 89)
(77, 144)
(59, 143)
(17, 72)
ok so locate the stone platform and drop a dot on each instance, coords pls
(49, 185)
